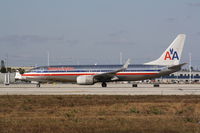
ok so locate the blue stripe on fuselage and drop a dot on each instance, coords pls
(96, 71)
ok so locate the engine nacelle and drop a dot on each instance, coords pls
(85, 80)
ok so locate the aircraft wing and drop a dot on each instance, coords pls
(111, 75)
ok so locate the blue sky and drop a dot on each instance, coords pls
(95, 31)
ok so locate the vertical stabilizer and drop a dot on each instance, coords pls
(172, 54)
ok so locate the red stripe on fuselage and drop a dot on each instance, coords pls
(78, 74)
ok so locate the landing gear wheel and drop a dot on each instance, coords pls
(156, 85)
(104, 84)
(134, 85)
(38, 85)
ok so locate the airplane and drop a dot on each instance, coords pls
(166, 64)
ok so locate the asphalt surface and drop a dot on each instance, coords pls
(112, 89)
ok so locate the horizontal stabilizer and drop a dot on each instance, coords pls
(177, 66)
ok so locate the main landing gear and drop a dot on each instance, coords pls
(104, 84)
(38, 85)
(156, 85)
(134, 85)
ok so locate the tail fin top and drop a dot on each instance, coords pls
(172, 54)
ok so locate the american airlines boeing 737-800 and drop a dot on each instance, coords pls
(166, 64)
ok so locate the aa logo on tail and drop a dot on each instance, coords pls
(171, 55)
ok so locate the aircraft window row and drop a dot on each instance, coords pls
(131, 65)
(97, 66)
(113, 67)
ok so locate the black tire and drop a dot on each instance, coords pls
(156, 85)
(104, 84)
(134, 85)
(38, 85)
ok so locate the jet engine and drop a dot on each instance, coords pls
(85, 80)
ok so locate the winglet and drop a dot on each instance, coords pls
(125, 66)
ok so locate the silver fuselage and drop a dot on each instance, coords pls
(69, 73)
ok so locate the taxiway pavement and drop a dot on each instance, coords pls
(112, 89)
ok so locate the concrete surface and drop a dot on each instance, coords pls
(2, 78)
(112, 89)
